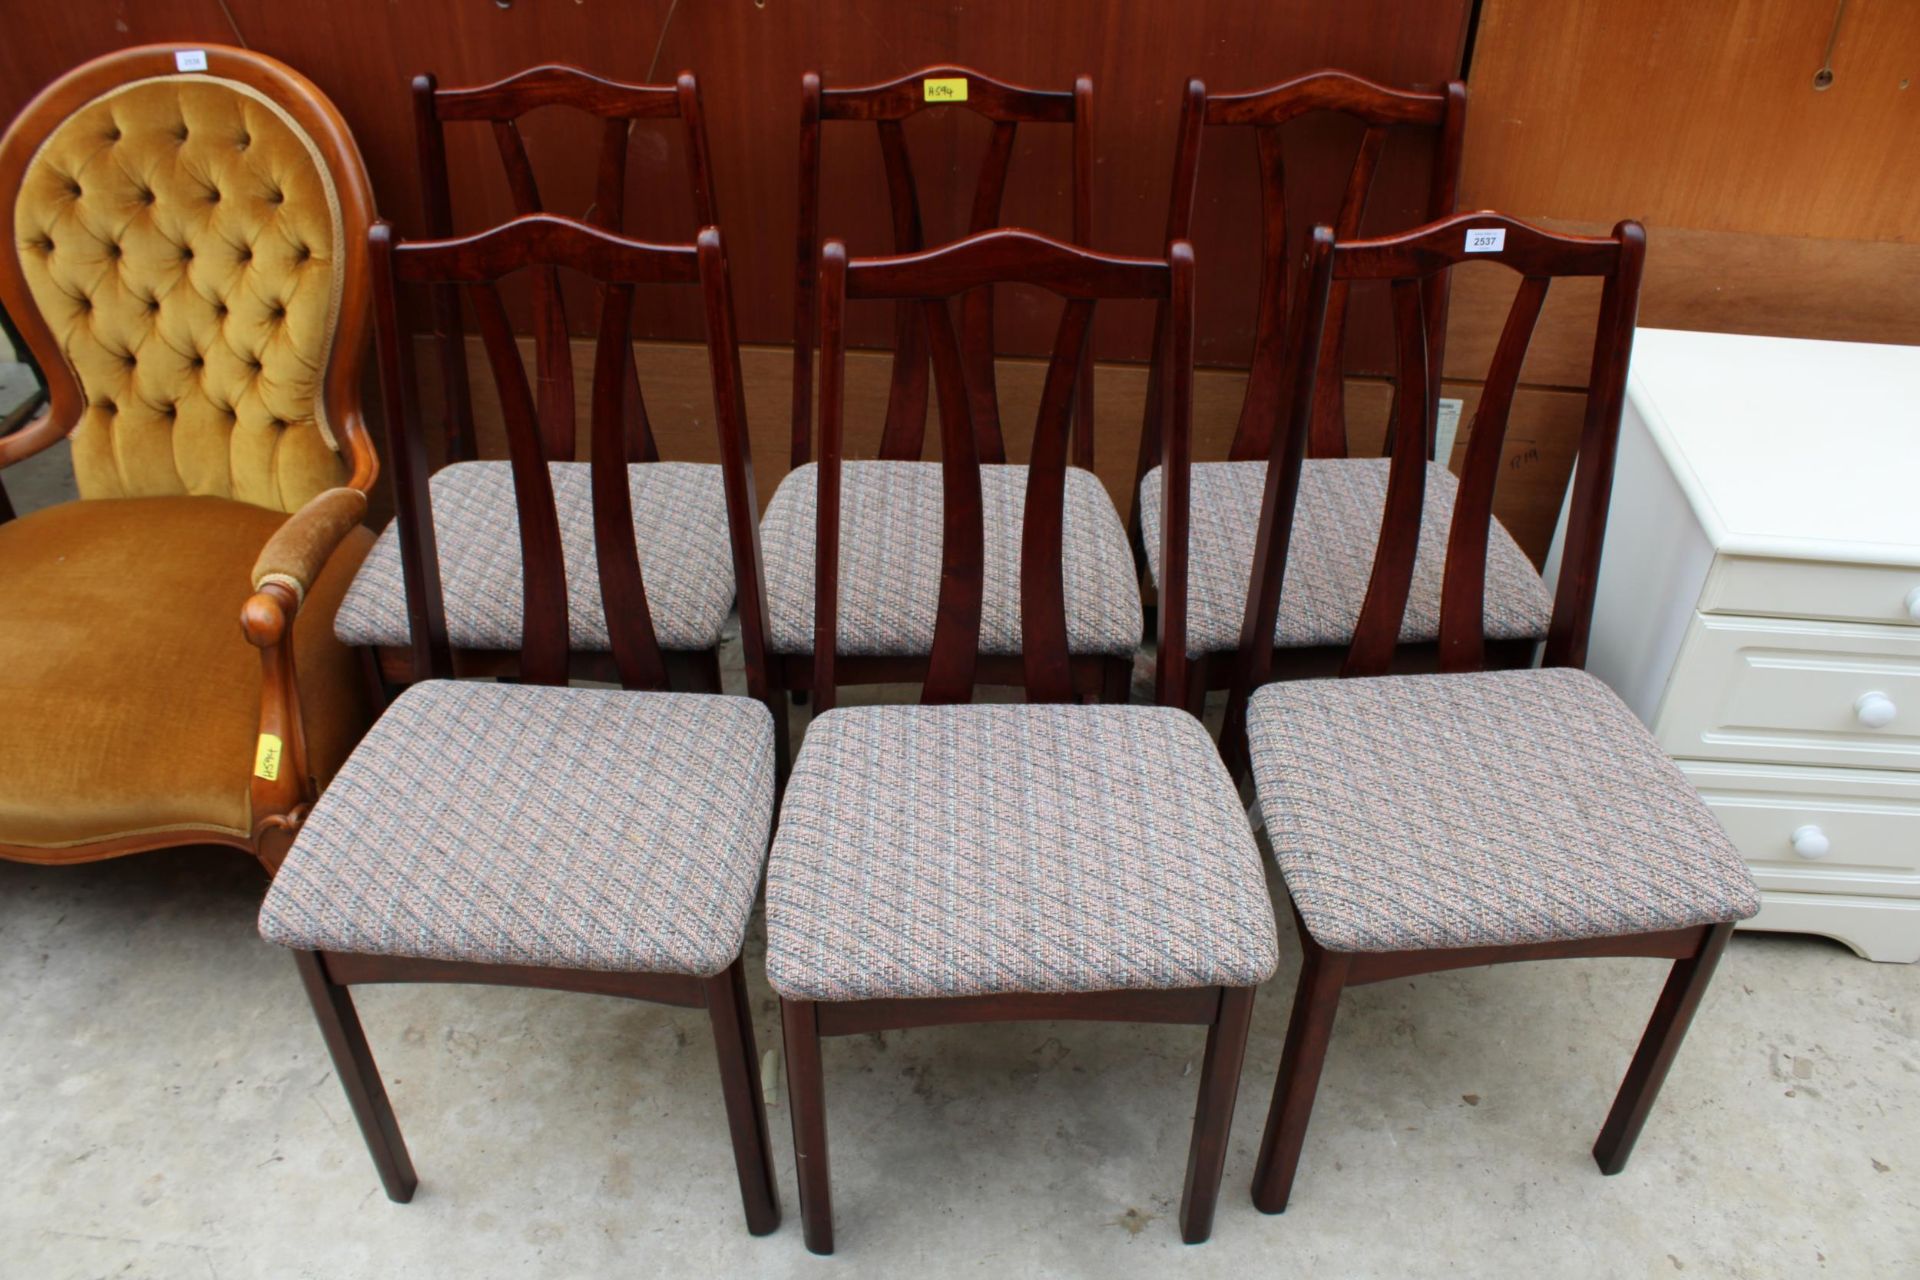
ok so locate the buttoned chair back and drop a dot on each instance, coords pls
(188, 266)
(1408, 264)
(477, 264)
(928, 281)
(501, 105)
(889, 106)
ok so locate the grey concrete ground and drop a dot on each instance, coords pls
(167, 1109)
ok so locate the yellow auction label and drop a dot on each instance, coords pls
(949, 90)
(266, 758)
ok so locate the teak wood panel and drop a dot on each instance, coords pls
(750, 59)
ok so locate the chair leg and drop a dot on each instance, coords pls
(1116, 688)
(1323, 974)
(746, 1111)
(1686, 984)
(806, 1096)
(1213, 1116)
(353, 1063)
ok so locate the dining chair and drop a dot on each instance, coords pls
(954, 863)
(531, 833)
(1338, 512)
(185, 258)
(1471, 816)
(679, 506)
(892, 519)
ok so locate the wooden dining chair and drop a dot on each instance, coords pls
(532, 834)
(1338, 512)
(679, 506)
(892, 521)
(1471, 816)
(957, 863)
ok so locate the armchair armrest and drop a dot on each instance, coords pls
(282, 784)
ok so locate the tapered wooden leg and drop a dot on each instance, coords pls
(740, 1086)
(1197, 690)
(1686, 984)
(353, 1063)
(1322, 976)
(807, 1097)
(1117, 681)
(706, 672)
(1213, 1116)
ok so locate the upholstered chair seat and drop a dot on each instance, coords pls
(981, 849)
(1483, 809)
(129, 700)
(680, 527)
(530, 825)
(1336, 530)
(890, 539)
(185, 257)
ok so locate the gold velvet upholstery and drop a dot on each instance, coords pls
(179, 237)
(185, 253)
(129, 699)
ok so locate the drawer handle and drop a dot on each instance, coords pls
(1874, 710)
(1913, 604)
(1811, 842)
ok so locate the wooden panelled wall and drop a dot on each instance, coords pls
(1771, 207)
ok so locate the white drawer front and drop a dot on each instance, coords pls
(1818, 830)
(1794, 693)
(1887, 594)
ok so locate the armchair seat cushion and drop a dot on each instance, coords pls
(1330, 557)
(680, 526)
(129, 700)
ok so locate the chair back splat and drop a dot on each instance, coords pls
(1437, 119)
(1408, 264)
(501, 105)
(546, 244)
(888, 106)
(928, 281)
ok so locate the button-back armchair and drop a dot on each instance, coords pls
(185, 256)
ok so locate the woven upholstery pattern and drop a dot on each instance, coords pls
(1497, 808)
(1336, 530)
(963, 850)
(518, 824)
(680, 527)
(890, 540)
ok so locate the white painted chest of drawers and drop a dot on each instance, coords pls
(1759, 608)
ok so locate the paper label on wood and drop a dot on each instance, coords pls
(1486, 239)
(266, 758)
(190, 59)
(953, 89)
(1446, 429)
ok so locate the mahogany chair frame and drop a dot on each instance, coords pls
(500, 105)
(1081, 278)
(888, 106)
(278, 804)
(965, 386)
(1409, 263)
(1440, 117)
(477, 263)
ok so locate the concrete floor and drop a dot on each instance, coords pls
(167, 1109)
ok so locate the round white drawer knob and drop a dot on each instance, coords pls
(1913, 604)
(1811, 842)
(1874, 710)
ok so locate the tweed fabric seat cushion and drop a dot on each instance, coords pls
(966, 850)
(680, 527)
(1336, 529)
(519, 824)
(1484, 809)
(890, 540)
